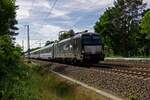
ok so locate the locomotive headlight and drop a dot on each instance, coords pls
(100, 48)
(83, 51)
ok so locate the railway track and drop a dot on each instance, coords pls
(126, 69)
(130, 60)
(123, 69)
(130, 63)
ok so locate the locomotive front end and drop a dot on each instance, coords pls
(92, 49)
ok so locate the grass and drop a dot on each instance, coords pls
(133, 98)
(53, 89)
(44, 85)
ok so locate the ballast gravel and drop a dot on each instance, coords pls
(122, 85)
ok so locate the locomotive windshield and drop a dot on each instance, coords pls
(91, 40)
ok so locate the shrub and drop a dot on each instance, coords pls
(63, 88)
(132, 98)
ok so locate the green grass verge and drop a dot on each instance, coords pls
(44, 85)
(41, 84)
(133, 98)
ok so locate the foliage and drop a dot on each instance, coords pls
(63, 88)
(133, 98)
(7, 17)
(49, 42)
(65, 35)
(12, 72)
(119, 27)
(16, 85)
(145, 36)
(145, 25)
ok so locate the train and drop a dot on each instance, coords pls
(83, 47)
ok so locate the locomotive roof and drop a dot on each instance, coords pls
(78, 35)
(42, 48)
(83, 33)
(64, 40)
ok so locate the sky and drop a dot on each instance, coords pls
(47, 18)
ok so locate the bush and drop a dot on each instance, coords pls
(132, 98)
(12, 72)
(63, 88)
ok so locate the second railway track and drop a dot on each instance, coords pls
(123, 69)
(127, 69)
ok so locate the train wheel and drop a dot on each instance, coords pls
(74, 61)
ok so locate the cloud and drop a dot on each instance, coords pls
(22, 13)
(44, 9)
(33, 43)
(60, 13)
(148, 3)
(87, 5)
(50, 31)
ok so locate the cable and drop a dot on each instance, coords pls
(51, 9)
(37, 41)
(32, 6)
(83, 16)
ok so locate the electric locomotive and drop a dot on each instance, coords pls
(92, 48)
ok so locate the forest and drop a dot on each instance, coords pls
(125, 29)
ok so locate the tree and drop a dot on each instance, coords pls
(7, 18)
(120, 26)
(64, 35)
(145, 25)
(145, 30)
(145, 11)
(9, 54)
(105, 28)
(7, 31)
(49, 42)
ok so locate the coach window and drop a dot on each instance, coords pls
(42, 51)
(59, 48)
(47, 50)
